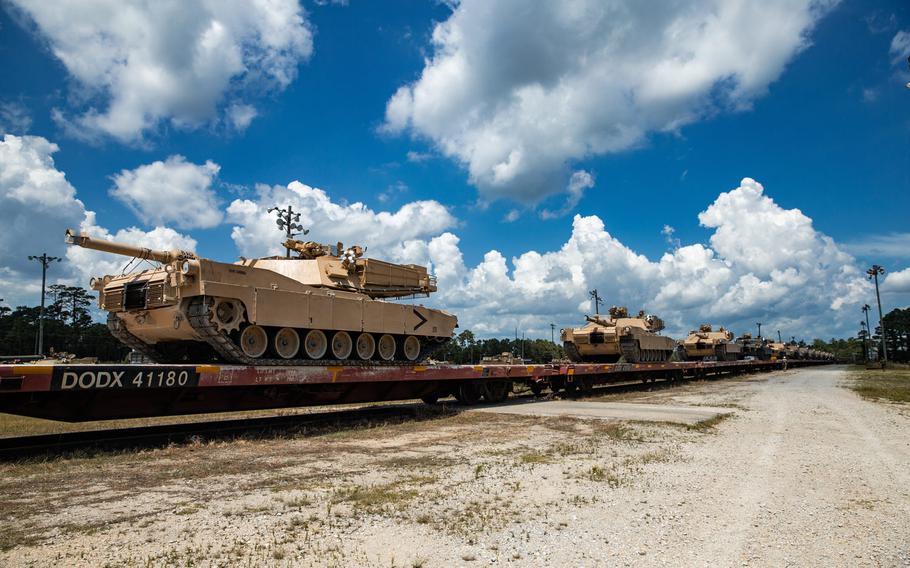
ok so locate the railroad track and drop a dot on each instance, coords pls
(65, 443)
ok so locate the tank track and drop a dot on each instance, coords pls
(115, 325)
(199, 317)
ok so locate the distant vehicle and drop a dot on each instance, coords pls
(607, 339)
(705, 342)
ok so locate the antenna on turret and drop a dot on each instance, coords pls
(286, 222)
(598, 301)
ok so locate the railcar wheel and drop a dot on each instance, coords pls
(315, 344)
(386, 347)
(468, 393)
(411, 348)
(287, 343)
(253, 341)
(366, 346)
(342, 345)
(496, 391)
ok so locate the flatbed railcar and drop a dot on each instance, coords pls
(82, 392)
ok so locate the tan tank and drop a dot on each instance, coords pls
(707, 343)
(607, 339)
(778, 350)
(756, 347)
(325, 304)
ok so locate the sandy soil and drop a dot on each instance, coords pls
(804, 473)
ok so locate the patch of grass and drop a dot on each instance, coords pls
(653, 456)
(189, 509)
(535, 457)
(708, 424)
(375, 498)
(600, 474)
(891, 385)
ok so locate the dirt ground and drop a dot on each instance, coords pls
(804, 472)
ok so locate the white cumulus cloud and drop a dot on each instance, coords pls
(517, 91)
(171, 191)
(898, 281)
(142, 63)
(764, 262)
(391, 233)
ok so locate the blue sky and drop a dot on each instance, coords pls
(823, 125)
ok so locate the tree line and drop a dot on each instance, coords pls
(68, 327)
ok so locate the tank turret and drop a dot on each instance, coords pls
(607, 338)
(323, 304)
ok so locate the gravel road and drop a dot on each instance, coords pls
(811, 475)
(804, 473)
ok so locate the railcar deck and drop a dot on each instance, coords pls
(80, 392)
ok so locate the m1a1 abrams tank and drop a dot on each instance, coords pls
(325, 304)
(707, 343)
(607, 339)
(778, 350)
(754, 347)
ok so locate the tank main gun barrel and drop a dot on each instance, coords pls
(163, 256)
(598, 320)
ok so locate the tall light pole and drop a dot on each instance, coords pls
(779, 340)
(873, 275)
(286, 222)
(758, 323)
(866, 308)
(597, 300)
(552, 333)
(45, 262)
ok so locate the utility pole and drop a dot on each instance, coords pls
(866, 308)
(552, 333)
(45, 262)
(758, 323)
(873, 274)
(597, 300)
(286, 222)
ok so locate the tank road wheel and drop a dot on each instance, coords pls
(366, 346)
(227, 314)
(386, 347)
(342, 345)
(411, 348)
(315, 344)
(253, 341)
(287, 343)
